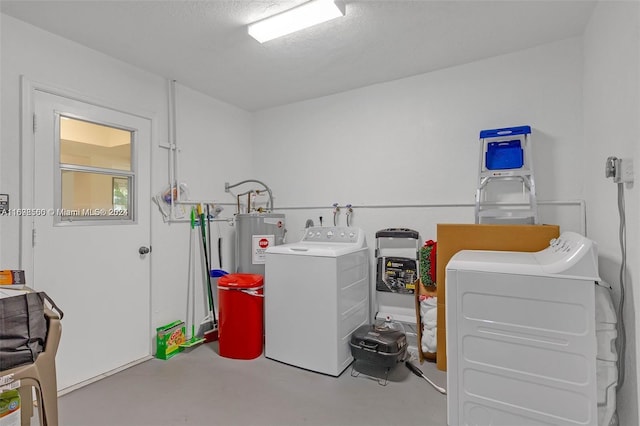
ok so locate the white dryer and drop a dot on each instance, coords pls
(521, 335)
(316, 294)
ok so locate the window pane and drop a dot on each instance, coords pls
(87, 195)
(120, 193)
(94, 145)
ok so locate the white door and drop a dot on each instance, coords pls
(91, 225)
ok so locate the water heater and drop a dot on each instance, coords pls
(255, 233)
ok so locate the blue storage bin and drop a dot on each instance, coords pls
(504, 155)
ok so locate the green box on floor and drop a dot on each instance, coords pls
(169, 338)
(9, 407)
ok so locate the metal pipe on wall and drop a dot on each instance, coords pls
(579, 203)
(171, 153)
(227, 187)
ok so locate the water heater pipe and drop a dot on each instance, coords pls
(227, 187)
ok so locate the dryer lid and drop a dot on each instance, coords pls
(570, 256)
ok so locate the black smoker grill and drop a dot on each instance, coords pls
(378, 345)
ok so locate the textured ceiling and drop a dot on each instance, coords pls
(204, 44)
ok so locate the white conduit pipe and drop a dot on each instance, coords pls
(171, 135)
(175, 139)
(580, 203)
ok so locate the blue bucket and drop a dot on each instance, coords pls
(504, 155)
(217, 273)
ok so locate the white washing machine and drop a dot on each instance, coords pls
(521, 335)
(316, 294)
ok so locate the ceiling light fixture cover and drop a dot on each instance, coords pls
(303, 16)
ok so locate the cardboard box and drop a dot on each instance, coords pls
(452, 238)
(12, 277)
(169, 338)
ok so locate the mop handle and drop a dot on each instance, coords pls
(212, 307)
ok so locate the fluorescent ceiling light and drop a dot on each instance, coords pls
(292, 20)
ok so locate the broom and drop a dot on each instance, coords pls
(209, 326)
(191, 289)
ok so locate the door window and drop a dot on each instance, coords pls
(96, 178)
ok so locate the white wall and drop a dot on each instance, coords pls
(612, 127)
(399, 147)
(415, 141)
(208, 131)
(214, 141)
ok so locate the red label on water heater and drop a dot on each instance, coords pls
(259, 246)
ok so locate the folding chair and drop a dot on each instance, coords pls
(40, 375)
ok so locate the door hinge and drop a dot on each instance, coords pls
(35, 123)
(33, 237)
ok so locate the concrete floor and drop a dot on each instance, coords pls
(198, 387)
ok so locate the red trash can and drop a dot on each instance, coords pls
(241, 306)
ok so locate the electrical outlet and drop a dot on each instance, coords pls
(624, 171)
(611, 167)
(620, 169)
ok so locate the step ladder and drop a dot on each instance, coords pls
(506, 191)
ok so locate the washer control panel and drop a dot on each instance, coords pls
(562, 245)
(566, 245)
(570, 254)
(332, 234)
